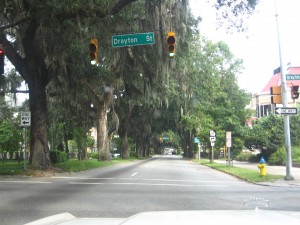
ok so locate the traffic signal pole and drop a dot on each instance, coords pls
(287, 132)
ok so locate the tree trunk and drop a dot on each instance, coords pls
(139, 147)
(124, 113)
(122, 131)
(39, 152)
(124, 140)
(188, 153)
(66, 142)
(102, 134)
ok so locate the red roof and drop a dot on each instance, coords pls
(276, 79)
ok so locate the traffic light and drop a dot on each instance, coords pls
(1, 61)
(171, 41)
(276, 95)
(94, 51)
(294, 92)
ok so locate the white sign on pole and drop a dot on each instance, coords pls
(25, 119)
(228, 139)
(212, 139)
(212, 133)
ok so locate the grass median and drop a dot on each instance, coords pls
(76, 165)
(245, 174)
(10, 167)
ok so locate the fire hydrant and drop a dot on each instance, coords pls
(262, 166)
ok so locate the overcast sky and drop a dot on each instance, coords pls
(259, 46)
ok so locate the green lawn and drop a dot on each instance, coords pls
(11, 167)
(245, 174)
(75, 165)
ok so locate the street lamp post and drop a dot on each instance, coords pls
(287, 137)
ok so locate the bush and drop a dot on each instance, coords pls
(244, 157)
(58, 156)
(278, 157)
(93, 155)
(296, 154)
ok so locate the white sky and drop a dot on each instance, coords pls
(259, 47)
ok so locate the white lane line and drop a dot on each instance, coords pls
(145, 179)
(132, 175)
(88, 178)
(151, 184)
(24, 181)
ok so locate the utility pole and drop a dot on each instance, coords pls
(287, 133)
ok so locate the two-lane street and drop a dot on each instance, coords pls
(161, 183)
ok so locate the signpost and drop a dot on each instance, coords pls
(286, 111)
(228, 145)
(293, 77)
(286, 121)
(197, 141)
(212, 137)
(25, 122)
(133, 39)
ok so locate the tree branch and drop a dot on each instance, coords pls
(98, 13)
(14, 24)
(120, 5)
(14, 92)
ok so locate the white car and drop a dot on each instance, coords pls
(116, 155)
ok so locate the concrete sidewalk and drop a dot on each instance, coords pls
(274, 170)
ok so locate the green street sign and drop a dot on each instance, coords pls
(196, 140)
(133, 39)
(293, 77)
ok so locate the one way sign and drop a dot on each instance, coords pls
(25, 119)
(286, 111)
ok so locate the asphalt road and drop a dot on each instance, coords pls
(162, 183)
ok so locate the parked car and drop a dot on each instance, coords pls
(116, 155)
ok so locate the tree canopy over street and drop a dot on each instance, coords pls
(137, 92)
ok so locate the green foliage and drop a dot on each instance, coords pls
(132, 147)
(296, 154)
(295, 130)
(266, 134)
(254, 158)
(72, 146)
(237, 146)
(10, 137)
(217, 103)
(11, 167)
(244, 157)
(93, 155)
(278, 157)
(82, 138)
(58, 156)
